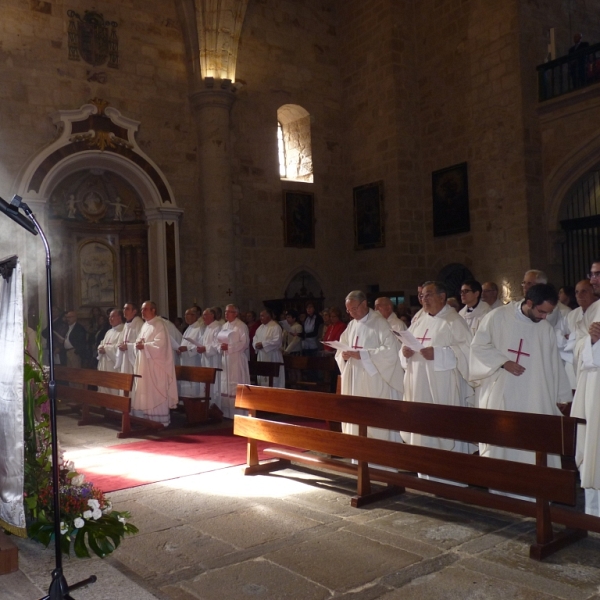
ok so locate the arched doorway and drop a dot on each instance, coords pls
(110, 211)
(580, 221)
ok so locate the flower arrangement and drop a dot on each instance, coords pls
(86, 516)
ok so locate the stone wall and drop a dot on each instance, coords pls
(149, 86)
(288, 54)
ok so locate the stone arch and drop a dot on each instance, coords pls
(564, 176)
(303, 277)
(98, 137)
(295, 143)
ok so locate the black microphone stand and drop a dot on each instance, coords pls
(59, 589)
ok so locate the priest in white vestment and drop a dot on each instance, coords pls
(267, 342)
(126, 356)
(188, 354)
(209, 350)
(490, 293)
(586, 404)
(514, 356)
(156, 389)
(233, 347)
(372, 367)
(571, 343)
(109, 348)
(175, 337)
(438, 372)
(474, 308)
(385, 308)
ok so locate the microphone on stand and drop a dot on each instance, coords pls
(17, 217)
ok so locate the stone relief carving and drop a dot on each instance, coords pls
(97, 277)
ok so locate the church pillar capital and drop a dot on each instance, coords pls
(213, 93)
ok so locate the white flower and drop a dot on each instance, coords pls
(79, 523)
(122, 520)
(78, 480)
(96, 514)
(70, 465)
(63, 528)
(108, 509)
(93, 504)
(87, 514)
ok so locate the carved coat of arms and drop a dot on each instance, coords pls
(93, 39)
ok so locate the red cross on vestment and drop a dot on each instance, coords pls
(356, 346)
(519, 352)
(424, 338)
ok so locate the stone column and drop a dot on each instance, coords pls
(157, 257)
(212, 105)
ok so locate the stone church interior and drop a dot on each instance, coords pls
(206, 152)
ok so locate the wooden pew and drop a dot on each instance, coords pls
(264, 369)
(87, 397)
(196, 409)
(541, 434)
(310, 365)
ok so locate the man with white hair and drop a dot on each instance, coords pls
(233, 347)
(385, 308)
(109, 347)
(267, 342)
(156, 389)
(371, 367)
(490, 293)
(586, 405)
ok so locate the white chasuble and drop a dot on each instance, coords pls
(586, 405)
(234, 363)
(444, 379)
(507, 334)
(108, 359)
(378, 373)
(156, 389)
(192, 338)
(271, 338)
(211, 358)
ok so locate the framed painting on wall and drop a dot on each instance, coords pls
(298, 219)
(369, 229)
(450, 191)
(97, 275)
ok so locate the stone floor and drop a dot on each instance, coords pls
(293, 535)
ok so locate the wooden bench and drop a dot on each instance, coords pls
(307, 367)
(88, 398)
(541, 434)
(264, 369)
(196, 409)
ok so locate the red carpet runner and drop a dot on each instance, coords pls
(138, 463)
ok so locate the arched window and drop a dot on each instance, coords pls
(295, 149)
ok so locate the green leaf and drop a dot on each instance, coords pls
(79, 546)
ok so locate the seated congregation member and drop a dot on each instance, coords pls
(268, 341)
(385, 308)
(372, 367)
(474, 308)
(514, 357)
(233, 347)
(156, 388)
(311, 325)
(490, 293)
(334, 330)
(439, 372)
(109, 347)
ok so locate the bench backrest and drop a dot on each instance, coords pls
(538, 433)
(264, 369)
(313, 363)
(196, 374)
(117, 381)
